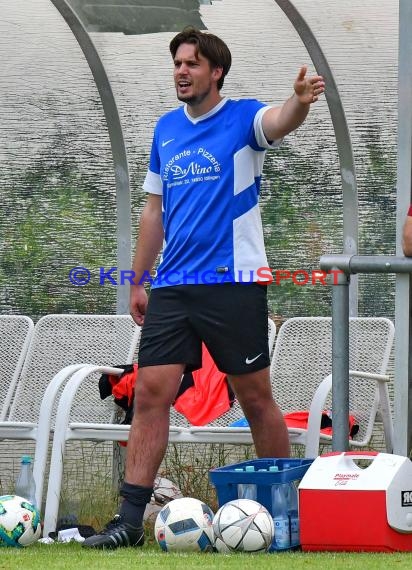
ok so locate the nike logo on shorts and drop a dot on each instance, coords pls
(250, 360)
(164, 143)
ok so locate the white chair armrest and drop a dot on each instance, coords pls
(45, 415)
(318, 405)
(315, 416)
(70, 390)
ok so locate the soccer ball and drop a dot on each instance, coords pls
(19, 521)
(243, 525)
(185, 525)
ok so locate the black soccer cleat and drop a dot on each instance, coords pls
(115, 534)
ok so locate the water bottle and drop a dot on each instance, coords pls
(247, 490)
(280, 515)
(293, 511)
(25, 485)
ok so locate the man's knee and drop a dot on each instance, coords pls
(154, 389)
(257, 405)
(254, 388)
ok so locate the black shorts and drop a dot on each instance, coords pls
(230, 318)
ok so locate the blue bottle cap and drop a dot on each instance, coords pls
(26, 459)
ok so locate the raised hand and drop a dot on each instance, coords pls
(308, 89)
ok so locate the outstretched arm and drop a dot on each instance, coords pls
(280, 121)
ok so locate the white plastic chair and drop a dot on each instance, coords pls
(301, 376)
(15, 335)
(72, 426)
(60, 346)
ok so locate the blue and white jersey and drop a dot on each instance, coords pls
(208, 171)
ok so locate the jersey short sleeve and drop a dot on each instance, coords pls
(153, 182)
(260, 136)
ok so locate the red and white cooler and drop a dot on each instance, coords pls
(344, 506)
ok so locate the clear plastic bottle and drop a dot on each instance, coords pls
(280, 515)
(247, 490)
(25, 485)
(293, 510)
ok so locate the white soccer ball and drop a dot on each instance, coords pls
(185, 525)
(243, 525)
(19, 521)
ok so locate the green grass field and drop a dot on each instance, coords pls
(71, 557)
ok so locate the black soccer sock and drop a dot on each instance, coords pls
(135, 499)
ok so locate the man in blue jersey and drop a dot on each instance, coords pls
(202, 211)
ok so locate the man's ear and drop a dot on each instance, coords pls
(217, 73)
